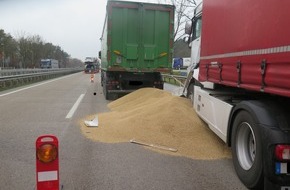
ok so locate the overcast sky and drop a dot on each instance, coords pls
(74, 25)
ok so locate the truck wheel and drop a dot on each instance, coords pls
(247, 151)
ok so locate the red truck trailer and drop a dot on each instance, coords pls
(239, 84)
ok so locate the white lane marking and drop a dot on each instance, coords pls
(75, 106)
(47, 176)
(8, 93)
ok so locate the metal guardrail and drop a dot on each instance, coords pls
(13, 72)
(174, 79)
(16, 77)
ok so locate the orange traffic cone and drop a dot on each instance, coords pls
(92, 77)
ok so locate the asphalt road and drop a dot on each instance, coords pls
(44, 108)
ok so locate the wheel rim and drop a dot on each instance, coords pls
(246, 146)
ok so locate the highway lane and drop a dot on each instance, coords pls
(43, 108)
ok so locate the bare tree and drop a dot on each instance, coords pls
(184, 10)
(26, 51)
(33, 48)
(183, 13)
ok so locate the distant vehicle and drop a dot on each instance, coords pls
(181, 62)
(49, 64)
(177, 63)
(186, 62)
(92, 65)
(89, 60)
(92, 68)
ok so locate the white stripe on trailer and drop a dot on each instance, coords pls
(273, 50)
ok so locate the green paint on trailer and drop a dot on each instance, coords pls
(138, 37)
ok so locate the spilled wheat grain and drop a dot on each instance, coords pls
(155, 116)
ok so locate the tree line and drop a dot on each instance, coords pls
(26, 51)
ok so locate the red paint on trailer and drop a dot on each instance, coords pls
(252, 33)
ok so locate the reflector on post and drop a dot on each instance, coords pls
(47, 163)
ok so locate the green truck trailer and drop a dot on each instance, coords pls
(137, 46)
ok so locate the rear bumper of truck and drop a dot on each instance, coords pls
(121, 82)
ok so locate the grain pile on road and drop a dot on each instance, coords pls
(155, 116)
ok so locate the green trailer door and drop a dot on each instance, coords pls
(156, 38)
(140, 36)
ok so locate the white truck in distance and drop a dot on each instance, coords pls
(49, 64)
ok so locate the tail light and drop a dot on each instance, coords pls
(282, 153)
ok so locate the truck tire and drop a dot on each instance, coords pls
(247, 151)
